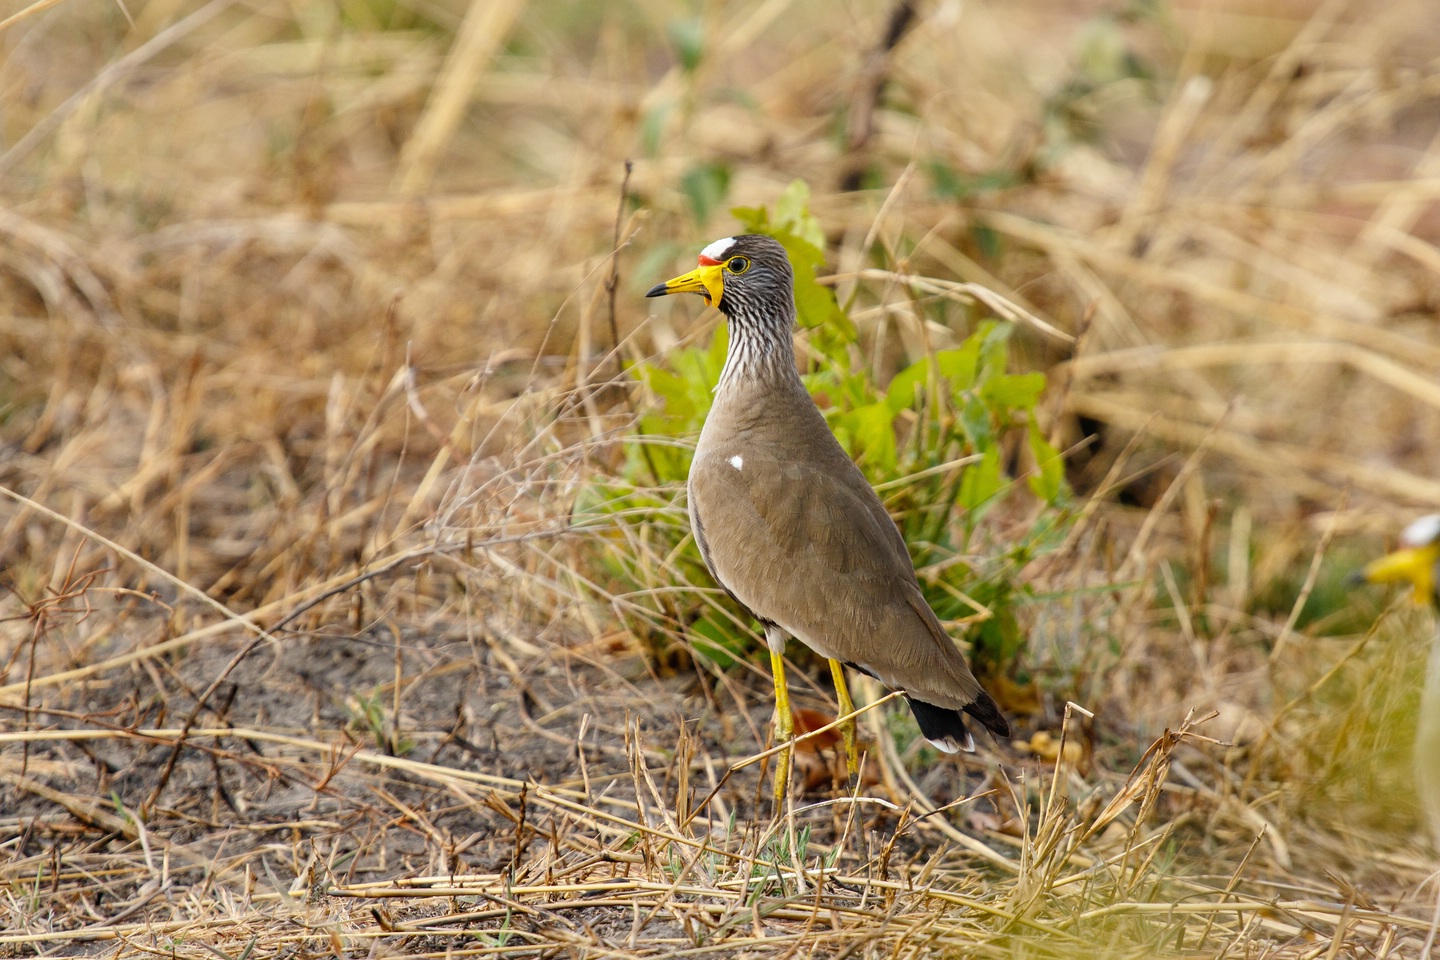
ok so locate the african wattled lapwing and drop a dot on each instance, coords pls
(789, 526)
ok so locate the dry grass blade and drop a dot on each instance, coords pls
(1144, 783)
(27, 11)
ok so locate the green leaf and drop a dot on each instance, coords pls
(988, 239)
(977, 421)
(959, 365)
(981, 483)
(905, 386)
(950, 185)
(686, 395)
(792, 212)
(1048, 480)
(717, 640)
(1016, 391)
(706, 187)
(688, 37)
(752, 219)
(994, 345)
(719, 346)
(670, 386)
(652, 128)
(699, 369)
(871, 432)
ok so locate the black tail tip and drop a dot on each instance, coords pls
(945, 728)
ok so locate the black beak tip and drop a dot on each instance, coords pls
(656, 291)
(1356, 578)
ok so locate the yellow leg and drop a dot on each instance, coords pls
(784, 727)
(847, 729)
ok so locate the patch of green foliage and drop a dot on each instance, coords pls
(369, 713)
(937, 441)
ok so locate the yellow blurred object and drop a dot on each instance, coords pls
(1015, 697)
(1417, 565)
(1049, 748)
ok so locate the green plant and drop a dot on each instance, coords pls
(369, 713)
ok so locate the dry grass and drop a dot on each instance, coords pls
(309, 347)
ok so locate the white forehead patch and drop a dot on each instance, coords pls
(716, 250)
(737, 461)
(1422, 532)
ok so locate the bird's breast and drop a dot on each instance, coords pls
(777, 420)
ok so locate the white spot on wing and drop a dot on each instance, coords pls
(716, 250)
(737, 461)
(1422, 532)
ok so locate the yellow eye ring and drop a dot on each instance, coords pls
(737, 264)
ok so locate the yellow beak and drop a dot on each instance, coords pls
(1413, 565)
(705, 280)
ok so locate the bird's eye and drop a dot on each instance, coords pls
(737, 264)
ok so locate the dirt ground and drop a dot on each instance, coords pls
(287, 792)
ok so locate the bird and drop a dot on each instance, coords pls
(1417, 563)
(790, 528)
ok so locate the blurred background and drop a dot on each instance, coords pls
(330, 315)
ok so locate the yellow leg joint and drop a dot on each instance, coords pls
(847, 729)
(784, 726)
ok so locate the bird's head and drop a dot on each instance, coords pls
(1417, 562)
(748, 274)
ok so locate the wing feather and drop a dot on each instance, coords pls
(811, 548)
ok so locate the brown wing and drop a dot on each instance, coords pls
(809, 546)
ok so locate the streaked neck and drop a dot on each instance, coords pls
(761, 348)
